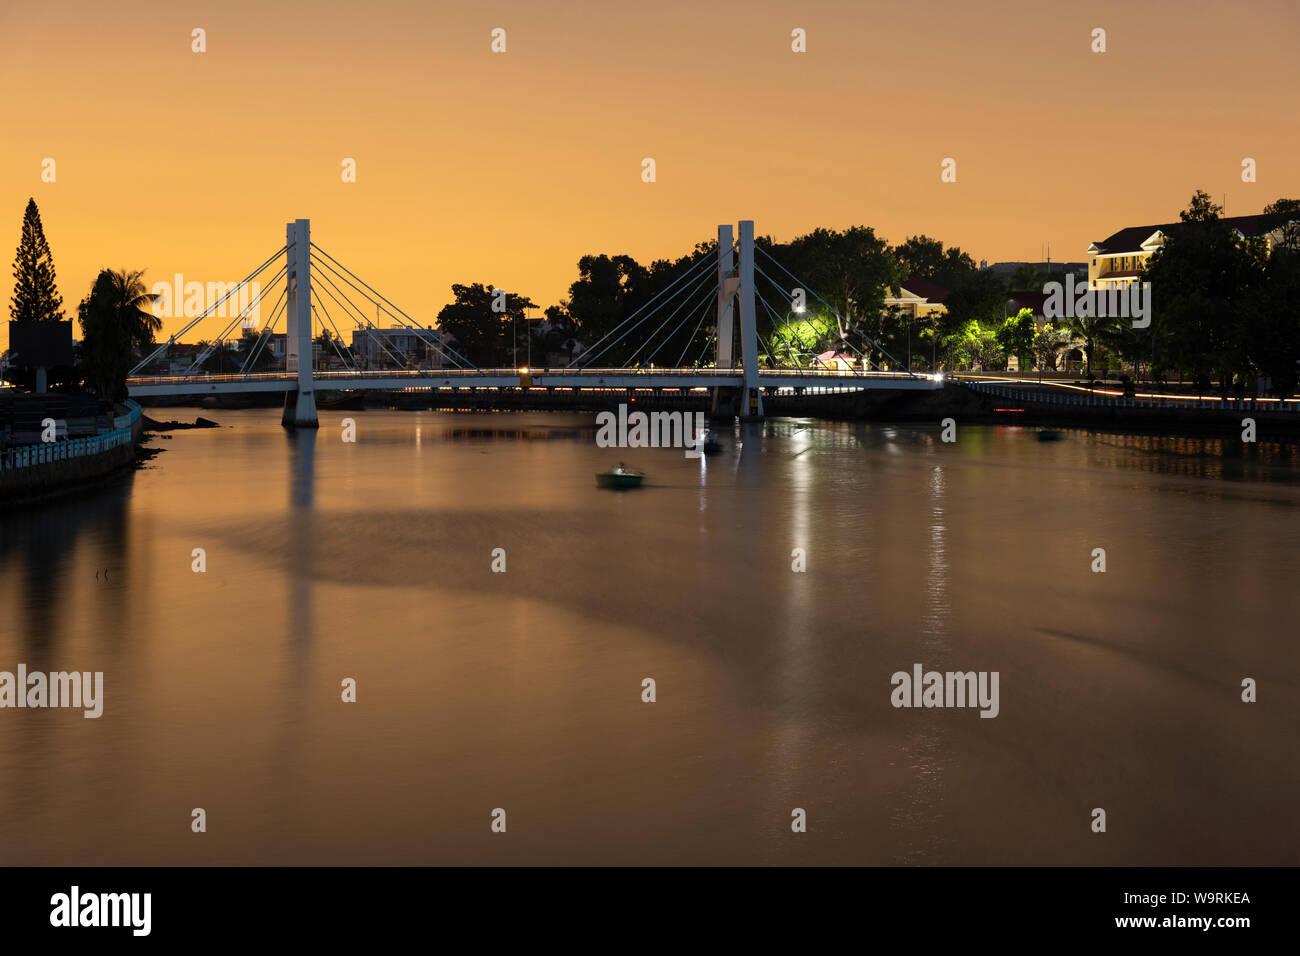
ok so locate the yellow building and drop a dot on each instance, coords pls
(1121, 258)
(918, 298)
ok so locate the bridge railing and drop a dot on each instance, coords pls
(1093, 399)
(469, 374)
(29, 456)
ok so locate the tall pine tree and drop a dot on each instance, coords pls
(36, 298)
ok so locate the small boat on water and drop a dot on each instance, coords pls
(1050, 434)
(620, 476)
(712, 446)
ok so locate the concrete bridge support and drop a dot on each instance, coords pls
(746, 402)
(751, 401)
(299, 403)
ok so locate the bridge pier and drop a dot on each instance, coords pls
(751, 399)
(299, 403)
(722, 407)
(747, 402)
(299, 410)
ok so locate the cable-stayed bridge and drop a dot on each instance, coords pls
(719, 293)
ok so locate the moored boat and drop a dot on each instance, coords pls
(620, 476)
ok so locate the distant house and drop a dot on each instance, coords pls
(399, 347)
(918, 298)
(836, 361)
(181, 357)
(1122, 257)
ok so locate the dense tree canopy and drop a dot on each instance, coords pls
(1224, 307)
(481, 320)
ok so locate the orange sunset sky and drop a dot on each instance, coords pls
(505, 168)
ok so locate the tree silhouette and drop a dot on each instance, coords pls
(481, 332)
(35, 298)
(115, 320)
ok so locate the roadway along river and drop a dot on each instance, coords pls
(522, 690)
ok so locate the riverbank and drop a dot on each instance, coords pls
(32, 473)
(1075, 407)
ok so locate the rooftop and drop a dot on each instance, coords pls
(1131, 238)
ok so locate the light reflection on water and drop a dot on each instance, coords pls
(522, 690)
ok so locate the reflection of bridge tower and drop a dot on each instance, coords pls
(299, 403)
(747, 402)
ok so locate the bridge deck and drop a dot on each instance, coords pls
(158, 386)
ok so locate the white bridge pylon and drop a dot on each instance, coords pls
(300, 403)
(732, 284)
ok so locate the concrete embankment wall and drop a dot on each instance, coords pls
(1025, 409)
(48, 479)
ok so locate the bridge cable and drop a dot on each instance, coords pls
(333, 340)
(385, 340)
(266, 329)
(201, 316)
(696, 331)
(712, 293)
(842, 339)
(361, 318)
(417, 327)
(374, 328)
(687, 272)
(690, 271)
(237, 320)
(688, 301)
(790, 337)
(338, 336)
(793, 337)
(776, 315)
(251, 361)
(802, 285)
(704, 351)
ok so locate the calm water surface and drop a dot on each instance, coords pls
(522, 690)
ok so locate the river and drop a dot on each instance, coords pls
(521, 690)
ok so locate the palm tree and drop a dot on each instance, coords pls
(116, 319)
(1089, 329)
